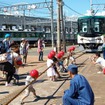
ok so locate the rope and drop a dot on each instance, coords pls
(6, 100)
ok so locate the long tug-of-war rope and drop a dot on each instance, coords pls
(35, 73)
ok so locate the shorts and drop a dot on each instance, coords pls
(28, 90)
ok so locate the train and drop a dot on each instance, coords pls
(16, 36)
(33, 36)
(91, 33)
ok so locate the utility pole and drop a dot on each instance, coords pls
(52, 24)
(58, 27)
(63, 27)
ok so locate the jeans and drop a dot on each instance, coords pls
(72, 101)
(41, 56)
(16, 76)
(69, 101)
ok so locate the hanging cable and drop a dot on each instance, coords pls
(72, 9)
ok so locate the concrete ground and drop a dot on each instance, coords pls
(51, 92)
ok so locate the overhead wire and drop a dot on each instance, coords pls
(47, 5)
(97, 8)
(35, 11)
(72, 9)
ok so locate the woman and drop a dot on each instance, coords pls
(40, 50)
(8, 66)
(23, 50)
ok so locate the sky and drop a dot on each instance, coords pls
(71, 7)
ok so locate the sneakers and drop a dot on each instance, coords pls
(8, 84)
(99, 72)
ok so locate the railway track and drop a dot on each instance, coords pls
(9, 98)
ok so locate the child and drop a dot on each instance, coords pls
(51, 72)
(55, 60)
(70, 59)
(60, 64)
(98, 61)
(29, 89)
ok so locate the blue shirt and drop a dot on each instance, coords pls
(6, 44)
(81, 90)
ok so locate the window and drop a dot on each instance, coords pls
(96, 26)
(84, 27)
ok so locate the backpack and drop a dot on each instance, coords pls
(2, 48)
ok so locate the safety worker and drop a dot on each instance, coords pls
(80, 92)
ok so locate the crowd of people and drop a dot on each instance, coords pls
(15, 55)
(11, 53)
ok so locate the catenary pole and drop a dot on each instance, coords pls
(63, 27)
(52, 24)
(58, 27)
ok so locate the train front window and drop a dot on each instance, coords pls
(82, 26)
(96, 27)
(99, 25)
(91, 26)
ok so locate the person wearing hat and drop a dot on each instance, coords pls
(51, 71)
(80, 92)
(30, 88)
(24, 50)
(7, 42)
